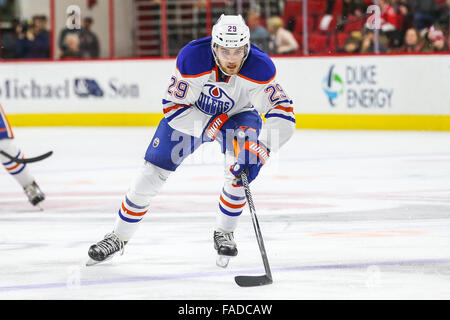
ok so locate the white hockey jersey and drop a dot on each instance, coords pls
(198, 90)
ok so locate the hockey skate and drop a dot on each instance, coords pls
(225, 246)
(105, 249)
(34, 193)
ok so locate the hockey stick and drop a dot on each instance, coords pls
(252, 281)
(27, 160)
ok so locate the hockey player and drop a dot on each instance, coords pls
(19, 171)
(220, 86)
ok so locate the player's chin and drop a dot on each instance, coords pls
(232, 70)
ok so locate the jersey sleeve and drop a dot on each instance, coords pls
(269, 99)
(272, 101)
(178, 104)
(182, 91)
(185, 85)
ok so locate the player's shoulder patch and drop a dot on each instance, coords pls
(258, 67)
(196, 59)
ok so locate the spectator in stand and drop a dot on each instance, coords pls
(282, 41)
(404, 12)
(390, 24)
(39, 39)
(89, 44)
(424, 13)
(412, 42)
(258, 34)
(368, 42)
(22, 42)
(352, 46)
(74, 29)
(435, 41)
(351, 8)
(9, 40)
(443, 18)
(389, 17)
(71, 47)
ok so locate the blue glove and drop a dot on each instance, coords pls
(251, 155)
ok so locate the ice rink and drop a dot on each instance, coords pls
(344, 215)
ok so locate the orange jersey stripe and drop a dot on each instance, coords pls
(233, 206)
(260, 82)
(177, 106)
(287, 109)
(131, 213)
(14, 167)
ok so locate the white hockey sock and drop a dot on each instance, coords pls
(146, 185)
(231, 203)
(18, 171)
(232, 199)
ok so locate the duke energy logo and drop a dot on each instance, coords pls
(333, 86)
(214, 101)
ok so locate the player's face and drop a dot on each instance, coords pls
(230, 59)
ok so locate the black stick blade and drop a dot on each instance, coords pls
(27, 160)
(253, 281)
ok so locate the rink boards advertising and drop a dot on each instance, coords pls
(391, 92)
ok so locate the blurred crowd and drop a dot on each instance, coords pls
(345, 26)
(31, 40)
(26, 39)
(406, 26)
(333, 26)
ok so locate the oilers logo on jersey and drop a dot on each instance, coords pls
(214, 101)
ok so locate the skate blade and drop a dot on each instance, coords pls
(222, 261)
(92, 262)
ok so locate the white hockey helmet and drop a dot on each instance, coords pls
(230, 32)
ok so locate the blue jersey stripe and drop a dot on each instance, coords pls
(127, 219)
(276, 115)
(21, 169)
(164, 101)
(284, 101)
(177, 113)
(231, 196)
(10, 162)
(228, 213)
(131, 204)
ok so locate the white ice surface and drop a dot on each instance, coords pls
(344, 215)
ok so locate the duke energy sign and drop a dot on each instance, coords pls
(356, 86)
(379, 85)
